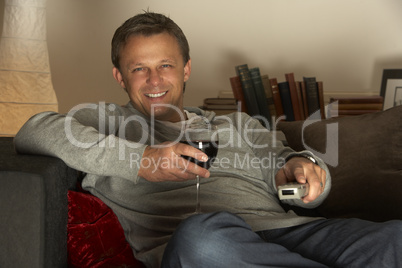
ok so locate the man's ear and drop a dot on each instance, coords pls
(119, 78)
(187, 70)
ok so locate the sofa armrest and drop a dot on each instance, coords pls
(34, 208)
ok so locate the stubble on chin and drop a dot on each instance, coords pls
(172, 114)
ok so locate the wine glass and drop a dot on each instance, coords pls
(202, 135)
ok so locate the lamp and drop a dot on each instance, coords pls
(25, 81)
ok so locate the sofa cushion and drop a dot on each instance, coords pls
(25, 178)
(364, 156)
(95, 236)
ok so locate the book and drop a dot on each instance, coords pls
(220, 104)
(343, 106)
(268, 92)
(248, 89)
(340, 113)
(225, 94)
(284, 91)
(367, 99)
(220, 101)
(356, 106)
(320, 86)
(311, 94)
(260, 95)
(295, 96)
(238, 94)
(276, 97)
(302, 88)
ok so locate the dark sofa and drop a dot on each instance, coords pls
(366, 183)
(47, 220)
(33, 200)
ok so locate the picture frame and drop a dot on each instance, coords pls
(391, 88)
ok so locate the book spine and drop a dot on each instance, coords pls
(368, 99)
(219, 107)
(312, 94)
(286, 101)
(235, 83)
(268, 93)
(248, 89)
(340, 113)
(230, 101)
(320, 86)
(260, 95)
(295, 97)
(302, 87)
(276, 97)
(357, 106)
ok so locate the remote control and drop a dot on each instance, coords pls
(292, 191)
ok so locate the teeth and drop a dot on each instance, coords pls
(156, 95)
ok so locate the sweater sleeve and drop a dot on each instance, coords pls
(266, 145)
(327, 189)
(80, 144)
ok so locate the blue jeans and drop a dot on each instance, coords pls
(224, 240)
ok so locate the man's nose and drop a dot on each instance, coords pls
(154, 78)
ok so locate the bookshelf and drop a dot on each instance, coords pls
(278, 97)
(300, 99)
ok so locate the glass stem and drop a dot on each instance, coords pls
(198, 206)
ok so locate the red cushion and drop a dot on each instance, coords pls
(95, 236)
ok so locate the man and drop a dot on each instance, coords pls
(133, 163)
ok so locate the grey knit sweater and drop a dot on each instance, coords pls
(106, 141)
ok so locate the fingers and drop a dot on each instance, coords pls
(316, 180)
(302, 170)
(187, 167)
(187, 156)
(280, 178)
(187, 150)
(165, 163)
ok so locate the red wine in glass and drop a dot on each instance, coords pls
(210, 148)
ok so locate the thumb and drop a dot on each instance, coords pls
(299, 175)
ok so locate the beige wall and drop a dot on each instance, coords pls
(345, 43)
(2, 3)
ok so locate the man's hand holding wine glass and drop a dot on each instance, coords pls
(165, 163)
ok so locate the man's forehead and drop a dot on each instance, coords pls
(152, 45)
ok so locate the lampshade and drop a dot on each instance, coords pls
(25, 81)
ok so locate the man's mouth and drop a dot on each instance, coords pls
(156, 95)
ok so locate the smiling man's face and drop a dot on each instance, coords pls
(153, 72)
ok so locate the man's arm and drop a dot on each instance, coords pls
(85, 148)
(81, 147)
(166, 164)
(296, 169)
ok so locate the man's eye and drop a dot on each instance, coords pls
(166, 65)
(138, 69)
